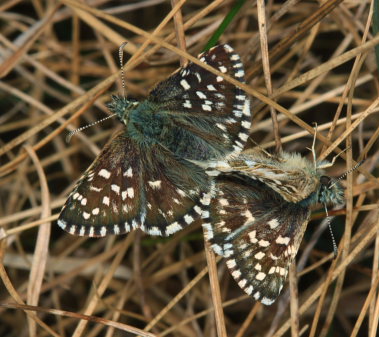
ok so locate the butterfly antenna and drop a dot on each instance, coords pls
(329, 219)
(347, 172)
(69, 136)
(313, 148)
(121, 58)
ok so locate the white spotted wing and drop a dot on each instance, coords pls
(259, 213)
(208, 117)
(131, 185)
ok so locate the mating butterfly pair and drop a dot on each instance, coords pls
(151, 176)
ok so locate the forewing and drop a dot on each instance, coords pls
(107, 198)
(119, 192)
(210, 117)
(257, 231)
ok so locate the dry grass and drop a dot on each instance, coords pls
(58, 65)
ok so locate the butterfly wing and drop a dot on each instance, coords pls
(257, 231)
(131, 185)
(209, 117)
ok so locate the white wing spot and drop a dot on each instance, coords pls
(273, 223)
(223, 202)
(155, 231)
(124, 195)
(173, 228)
(260, 276)
(243, 136)
(95, 211)
(201, 95)
(115, 188)
(155, 184)
(249, 290)
(187, 104)
(211, 87)
(181, 192)
(222, 69)
(198, 209)
(252, 236)
(188, 219)
(231, 263)
(86, 215)
(206, 199)
(95, 189)
(239, 73)
(267, 301)
(259, 255)
(185, 84)
(246, 124)
(128, 173)
(264, 243)
(249, 216)
(84, 201)
(106, 201)
(242, 283)
(246, 108)
(103, 231)
(130, 191)
(104, 173)
(236, 274)
(206, 107)
(221, 126)
(282, 240)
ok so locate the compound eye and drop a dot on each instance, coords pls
(325, 180)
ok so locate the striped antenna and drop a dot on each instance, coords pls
(121, 58)
(69, 136)
(347, 172)
(329, 219)
(335, 249)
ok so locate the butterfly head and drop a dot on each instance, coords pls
(330, 191)
(122, 107)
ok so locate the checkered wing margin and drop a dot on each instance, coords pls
(207, 116)
(131, 185)
(257, 231)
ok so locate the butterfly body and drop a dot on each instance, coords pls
(259, 213)
(144, 177)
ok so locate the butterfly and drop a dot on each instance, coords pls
(259, 213)
(146, 176)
